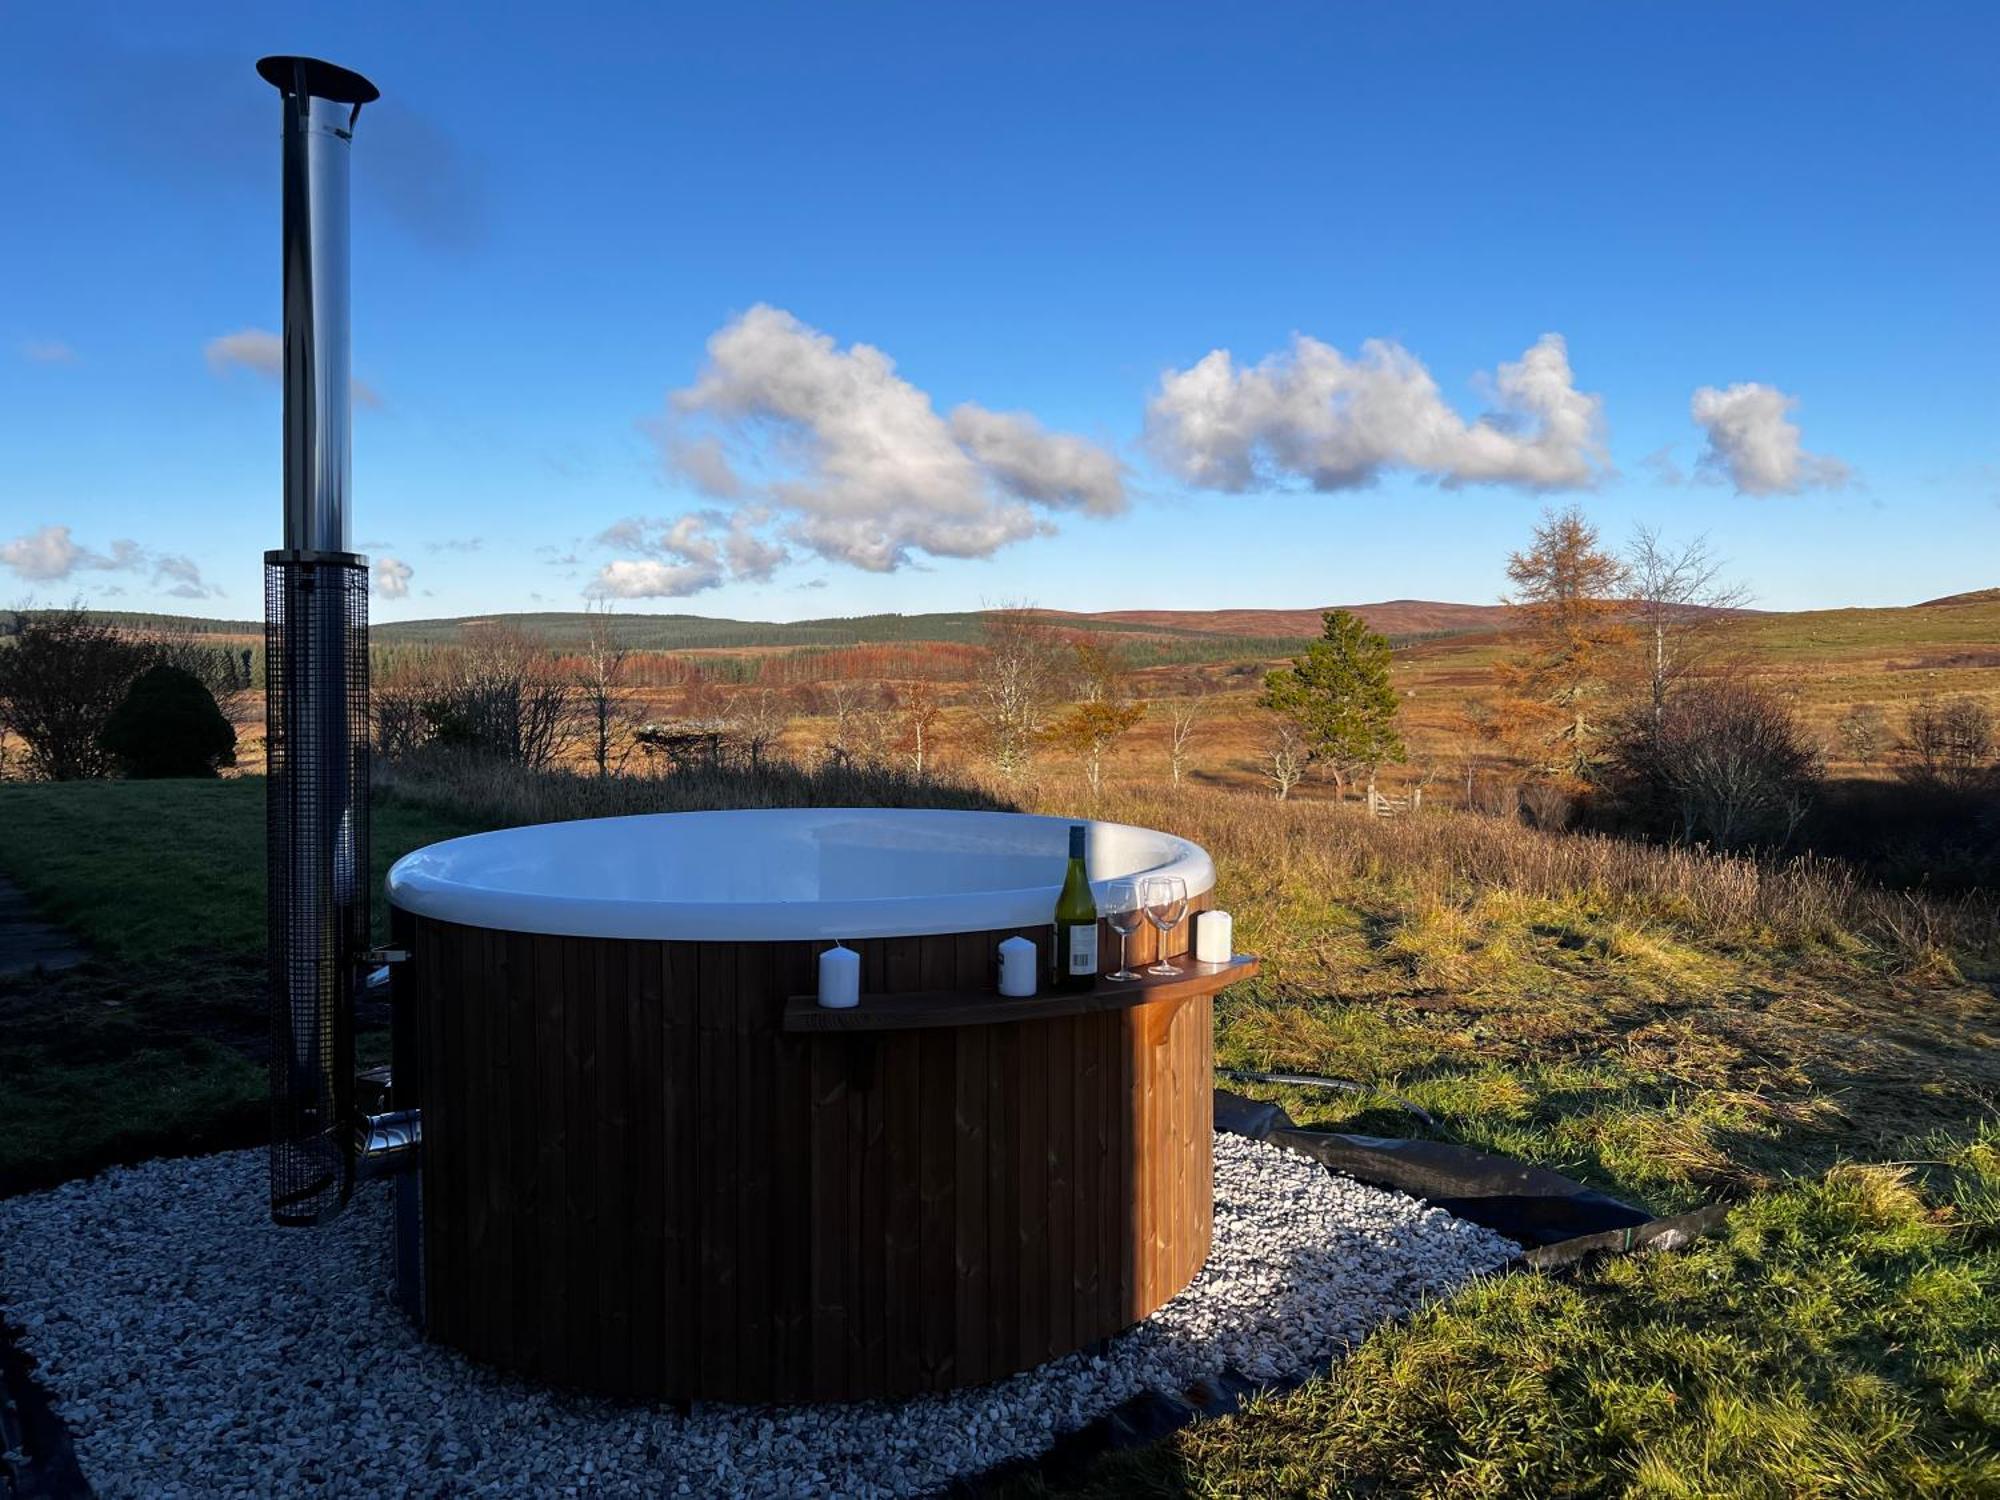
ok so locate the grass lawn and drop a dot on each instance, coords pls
(156, 1045)
(1674, 1028)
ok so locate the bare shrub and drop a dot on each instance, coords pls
(1947, 744)
(61, 677)
(501, 696)
(1863, 732)
(760, 717)
(856, 731)
(1724, 763)
(1546, 804)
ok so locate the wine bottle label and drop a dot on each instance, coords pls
(1083, 949)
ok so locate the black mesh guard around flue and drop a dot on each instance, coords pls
(316, 719)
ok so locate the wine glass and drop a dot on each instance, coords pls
(1126, 912)
(1166, 904)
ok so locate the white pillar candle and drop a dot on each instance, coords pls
(1214, 936)
(839, 978)
(1017, 967)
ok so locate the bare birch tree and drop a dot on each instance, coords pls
(1285, 759)
(920, 715)
(1679, 599)
(1182, 716)
(607, 699)
(1018, 680)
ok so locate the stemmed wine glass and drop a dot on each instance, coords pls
(1126, 912)
(1166, 904)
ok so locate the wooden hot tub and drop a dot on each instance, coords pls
(652, 1165)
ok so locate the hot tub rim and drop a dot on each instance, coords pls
(413, 890)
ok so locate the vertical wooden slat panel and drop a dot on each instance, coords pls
(647, 1135)
(1003, 1248)
(524, 1182)
(969, 1239)
(938, 1276)
(901, 1058)
(756, 1026)
(581, 1104)
(551, 1159)
(497, 1125)
(443, 1258)
(470, 1092)
(612, 1237)
(830, 1245)
(1058, 1270)
(867, 1166)
(635, 1180)
(791, 1284)
(680, 1045)
(1031, 1164)
(717, 1165)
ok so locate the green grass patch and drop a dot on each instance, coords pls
(1839, 1339)
(156, 1046)
(161, 871)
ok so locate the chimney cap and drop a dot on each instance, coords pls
(320, 80)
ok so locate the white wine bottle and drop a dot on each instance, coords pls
(1076, 922)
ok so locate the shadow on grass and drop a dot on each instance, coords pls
(109, 1063)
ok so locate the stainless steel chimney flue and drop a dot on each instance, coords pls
(322, 104)
(316, 670)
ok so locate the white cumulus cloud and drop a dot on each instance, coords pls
(51, 553)
(45, 554)
(848, 460)
(262, 352)
(1754, 444)
(392, 577)
(1310, 413)
(650, 578)
(686, 554)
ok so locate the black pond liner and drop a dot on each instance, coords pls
(36, 1460)
(1556, 1220)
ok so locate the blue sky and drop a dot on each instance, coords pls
(1057, 211)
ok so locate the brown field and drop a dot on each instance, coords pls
(1824, 661)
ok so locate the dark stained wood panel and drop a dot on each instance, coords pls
(639, 1177)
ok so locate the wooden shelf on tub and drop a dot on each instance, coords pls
(917, 1010)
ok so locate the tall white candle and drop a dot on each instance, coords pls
(839, 978)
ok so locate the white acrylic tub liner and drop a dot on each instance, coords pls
(776, 874)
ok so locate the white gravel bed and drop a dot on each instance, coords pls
(195, 1349)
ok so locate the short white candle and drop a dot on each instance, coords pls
(1214, 936)
(839, 978)
(1017, 967)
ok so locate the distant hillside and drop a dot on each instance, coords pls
(1393, 617)
(1975, 596)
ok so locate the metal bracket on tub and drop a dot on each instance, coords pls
(377, 979)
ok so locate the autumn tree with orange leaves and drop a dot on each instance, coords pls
(1573, 635)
